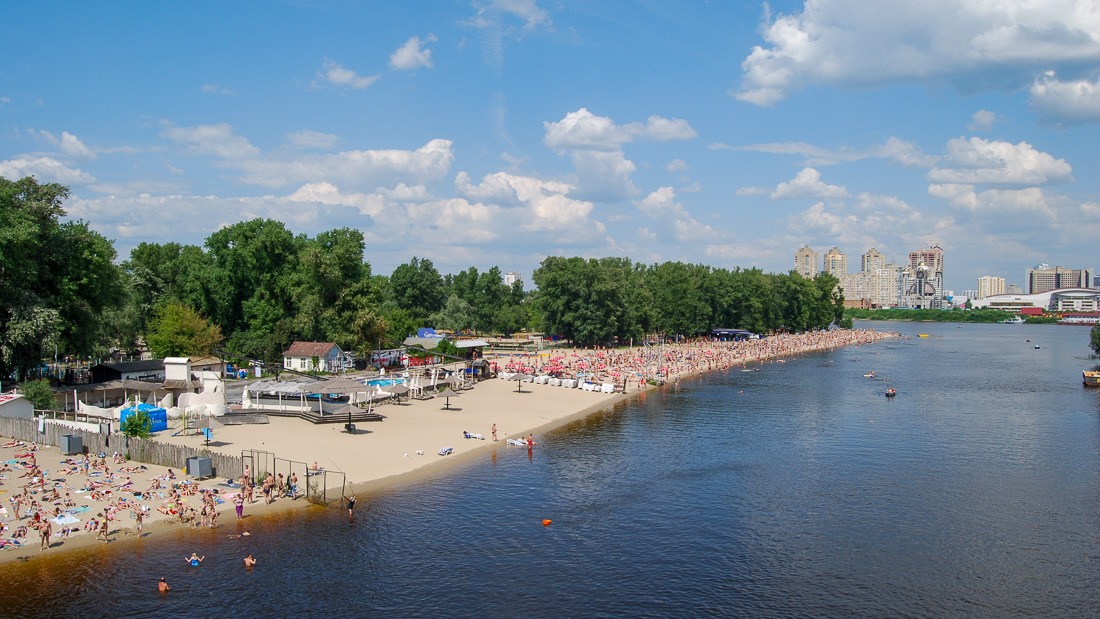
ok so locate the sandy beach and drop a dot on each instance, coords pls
(402, 448)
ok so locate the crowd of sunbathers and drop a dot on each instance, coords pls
(45, 502)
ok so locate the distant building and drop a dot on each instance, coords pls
(885, 288)
(805, 262)
(15, 405)
(314, 357)
(148, 370)
(836, 262)
(1062, 300)
(510, 278)
(988, 285)
(872, 261)
(1042, 278)
(921, 283)
(1013, 289)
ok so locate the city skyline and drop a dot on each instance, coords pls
(497, 132)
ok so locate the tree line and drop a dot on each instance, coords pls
(254, 287)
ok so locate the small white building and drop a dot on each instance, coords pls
(15, 405)
(314, 357)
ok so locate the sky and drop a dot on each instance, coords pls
(500, 132)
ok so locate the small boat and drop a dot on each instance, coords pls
(922, 335)
(891, 392)
(1036, 347)
(870, 374)
(519, 442)
(1092, 379)
(1015, 320)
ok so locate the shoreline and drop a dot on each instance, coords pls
(384, 457)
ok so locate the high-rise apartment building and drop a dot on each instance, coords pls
(872, 261)
(1043, 278)
(989, 285)
(510, 278)
(921, 282)
(836, 262)
(805, 262)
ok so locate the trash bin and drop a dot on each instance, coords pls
(72, 444)
(199, 467)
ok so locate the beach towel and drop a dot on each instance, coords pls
(64, 520)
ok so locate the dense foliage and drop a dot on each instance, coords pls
(254, 287)
(40, 394)
(598, 301)
(935, 315)
(57, 279)
(138, 424)
(1095, 341)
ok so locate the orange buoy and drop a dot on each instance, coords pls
(546, 522)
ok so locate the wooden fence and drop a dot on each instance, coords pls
(148, 451)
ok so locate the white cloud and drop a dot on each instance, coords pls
(490, 13)
(808, 184)
(847, 43)
(545, 204)
(1069, 102)
(583, 130)
(217, 90)
(661, 205)
(411, 56)
(893, 149)
(603, 176)
(327, 193)
(677, 165)
(1091, 211)
(357, 168)
(340, 76)
(218, 140)
(982, 120)
(996, 201)
(72, 146)
(312, 140)
(978, 161)
(45, 169)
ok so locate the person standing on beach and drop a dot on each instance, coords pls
(103, 526)
(293, 486)
(139, 515)
(239, 503)
(45, 530)
(494, 431)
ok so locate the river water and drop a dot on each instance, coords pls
(796, 490)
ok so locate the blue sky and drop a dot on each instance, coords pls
(495, 133)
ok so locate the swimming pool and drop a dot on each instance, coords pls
(385, 382)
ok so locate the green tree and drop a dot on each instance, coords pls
(40, 394)
(1095, 343)
(179, 331)
(456, 315)
(138, 424)
(58, 278)
(418, 288)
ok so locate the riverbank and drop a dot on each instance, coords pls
(405, 447)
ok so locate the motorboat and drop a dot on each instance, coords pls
(870, 374)
(1091, 378)
(1015, 320)
(891, 392)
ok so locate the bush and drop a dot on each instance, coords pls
(137, 424)
(40, 394)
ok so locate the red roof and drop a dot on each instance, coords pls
(310, 349)
(1031, 311)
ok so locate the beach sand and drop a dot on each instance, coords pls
(404, 447)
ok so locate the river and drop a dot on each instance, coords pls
(795, 490)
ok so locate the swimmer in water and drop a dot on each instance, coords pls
(194, 559)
